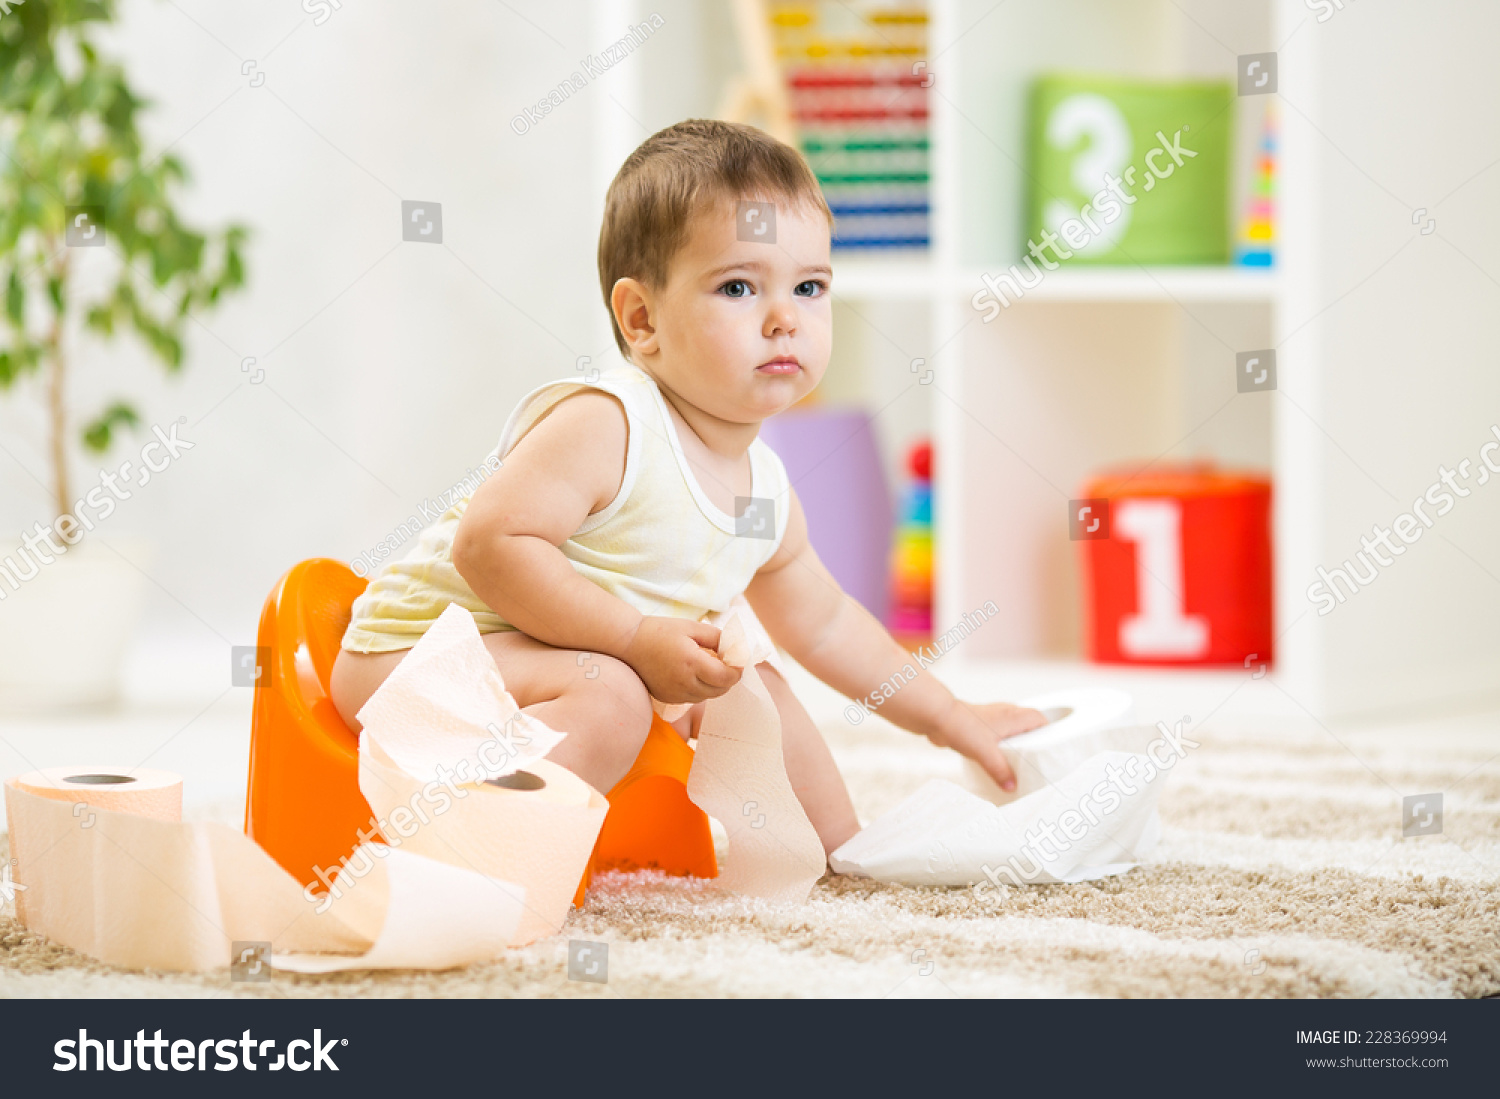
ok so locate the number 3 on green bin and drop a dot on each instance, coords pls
(1107, 152)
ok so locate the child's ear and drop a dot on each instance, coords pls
(631, 302)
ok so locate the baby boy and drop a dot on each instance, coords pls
(598, 557)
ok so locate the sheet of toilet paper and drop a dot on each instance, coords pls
(468, 867)
(445, 710)
(1083, 723)
(1085, 806)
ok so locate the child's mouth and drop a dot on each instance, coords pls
(779, 366)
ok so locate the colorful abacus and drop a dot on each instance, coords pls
(910, 620)
(1257, 245)
(856, 73)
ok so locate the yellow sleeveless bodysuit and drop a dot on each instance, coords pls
(660, 545)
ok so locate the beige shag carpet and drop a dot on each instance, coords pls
(1282, 872)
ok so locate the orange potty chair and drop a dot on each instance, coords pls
(304, 805)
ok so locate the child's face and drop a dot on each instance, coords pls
(743, 328)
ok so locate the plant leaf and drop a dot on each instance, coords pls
(98, 435)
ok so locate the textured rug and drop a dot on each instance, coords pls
(1282, 872)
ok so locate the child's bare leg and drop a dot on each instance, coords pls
(809, 764)
(597, 700)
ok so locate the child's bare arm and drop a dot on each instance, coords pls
(831, 635)
(566, 467)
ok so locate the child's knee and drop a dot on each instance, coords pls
(618, 694)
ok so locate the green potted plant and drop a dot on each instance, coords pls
(90, 245)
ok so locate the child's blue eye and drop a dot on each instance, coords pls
(811, 288)
(735, 288)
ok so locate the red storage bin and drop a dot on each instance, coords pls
(1180, 572)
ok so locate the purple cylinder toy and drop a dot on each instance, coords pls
(834, 463)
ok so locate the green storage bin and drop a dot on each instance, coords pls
(1082, 127)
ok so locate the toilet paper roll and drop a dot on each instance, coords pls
(145, 793)
(535, 826)
(1082, 722)
(161, 894)
(444, 717)
(156, 795)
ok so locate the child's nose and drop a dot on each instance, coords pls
(781, 318)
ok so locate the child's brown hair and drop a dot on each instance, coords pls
(672, 176)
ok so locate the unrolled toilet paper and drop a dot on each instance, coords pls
(478, 857)
(160, 894)
(486, 840)
(1084, 807)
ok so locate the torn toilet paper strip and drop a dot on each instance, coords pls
(739, 777)
(754, 635)
(444, 710)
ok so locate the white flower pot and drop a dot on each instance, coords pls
(65, 630)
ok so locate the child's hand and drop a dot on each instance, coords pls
(678, 661)
(975, 731)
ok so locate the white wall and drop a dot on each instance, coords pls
(389, 367)
(1406, 332)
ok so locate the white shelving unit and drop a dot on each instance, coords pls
(1103, 366)
(1094, 366)
(920, 280)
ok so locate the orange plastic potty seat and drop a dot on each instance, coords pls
(304, 805)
